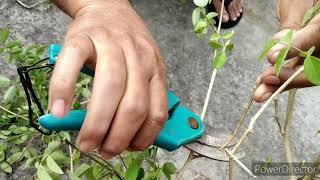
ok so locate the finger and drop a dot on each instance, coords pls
(74, 53)
(157, 115)
(263, 92)
(133, 108)
(108, 88)
(239, 6)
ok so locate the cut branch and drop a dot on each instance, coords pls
(240, 163)
(264, 106)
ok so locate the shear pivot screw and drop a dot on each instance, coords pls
(193, 123)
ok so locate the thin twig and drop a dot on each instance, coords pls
(230, 165)
(288, 122)
(30, 6)
(71, 159)
(241, 120)
(124, 163)
(239, 162)
(277, 117)
(192, 155)
(264, 106)
(8, 111)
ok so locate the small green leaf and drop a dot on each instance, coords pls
(211, 15)
(312, 69)
(76, 105)
(311, 50)
(196, 15)
(4, 82)
(3, 146)
(141, 174)
(14, 157)
(215, 45)
(266, 49)
(3, 136)
(6, 167)
(200, 3)
(228, 35)
(10, 94)
(12, 44)
(201, 25)
(42, 173)
(5, 132)
(214, 37)
(168, 169)
(133, 169)
(2, 156)
(280, 59)
(229, 47)
(81, 169)
(4, 34)
(220, 60)
(53, 166)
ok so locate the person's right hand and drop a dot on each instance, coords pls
(268, 82)
(128, 106)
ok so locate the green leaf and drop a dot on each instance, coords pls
(6, 167)
(141, 174)
(42, 173)
(266, 49)
(10, 94)
(3, 136)
(214, 37)
(310, 14)
(81, 169)
(2, 156)
(200, 3)
(1, 50)
(14, 157)
(228, 35)
(229, 47)
(220, 60)
(53, 166)
(3, 146)
(196, 14)
(133, 169)
(4, 82)
(280, 59)
(4, 34)
(312, 69)
(168, 169)
(5, 132)
(76, 105)
(201, 25)
(211, 15)
(65, 135)
(12, 44)
(215, 45)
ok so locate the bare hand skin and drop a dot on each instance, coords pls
(128, 106)
(303, 39)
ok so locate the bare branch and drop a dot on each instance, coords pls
(240, 163)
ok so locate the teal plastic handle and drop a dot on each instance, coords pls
(182, 126)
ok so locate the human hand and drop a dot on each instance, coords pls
(128, 106)
(268, 82)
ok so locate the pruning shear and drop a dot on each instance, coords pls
(183, 127)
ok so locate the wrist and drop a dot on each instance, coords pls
(74, 7)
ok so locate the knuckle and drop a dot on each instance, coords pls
(145, 46)
(136, 108)
(60, 83)
(157, 119)
(140, 146)
(112, 149)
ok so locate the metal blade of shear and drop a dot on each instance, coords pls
(210, 152)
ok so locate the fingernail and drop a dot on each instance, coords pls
(275, 55)
(86, 146)
(225, 18)
(266, 96)
(234, 18)
(238, 14)
(105, 155)
(241, 10)
(58, 108)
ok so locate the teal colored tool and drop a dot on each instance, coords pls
(183, 127)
